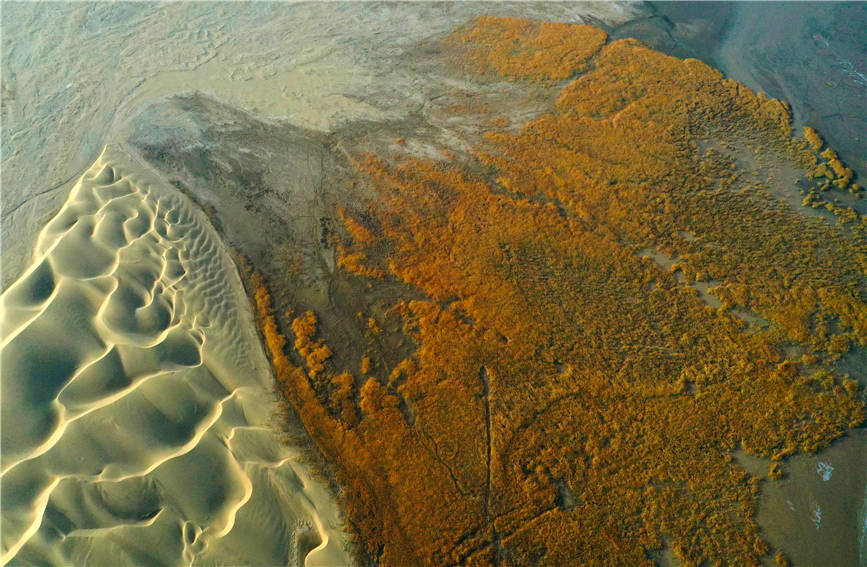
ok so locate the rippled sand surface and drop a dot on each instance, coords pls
(136, 410)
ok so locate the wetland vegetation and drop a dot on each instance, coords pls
(523, 384)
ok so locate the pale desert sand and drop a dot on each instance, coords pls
(138, 423)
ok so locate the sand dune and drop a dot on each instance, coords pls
(136, 408)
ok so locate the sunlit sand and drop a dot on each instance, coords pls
(137, 412)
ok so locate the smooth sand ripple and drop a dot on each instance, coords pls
(137, 405)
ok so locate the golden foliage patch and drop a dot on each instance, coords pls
(527, 49)
(571, 401)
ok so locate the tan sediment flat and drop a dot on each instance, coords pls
(137, 408)
(817, 510)
(315, 65)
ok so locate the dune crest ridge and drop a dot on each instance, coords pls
(137, 402)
